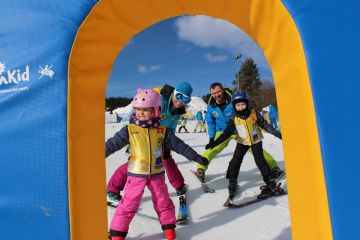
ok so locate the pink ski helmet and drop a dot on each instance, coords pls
(148, 98)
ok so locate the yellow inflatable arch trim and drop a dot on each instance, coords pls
(108, 28)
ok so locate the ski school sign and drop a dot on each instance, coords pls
(62, 178)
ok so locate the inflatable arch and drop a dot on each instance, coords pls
(52, 124)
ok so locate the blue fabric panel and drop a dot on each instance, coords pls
(331, 36)
(33, 147)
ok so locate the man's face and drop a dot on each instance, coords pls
(217, 93)
(176, 103)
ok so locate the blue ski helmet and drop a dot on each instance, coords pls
(240, 96)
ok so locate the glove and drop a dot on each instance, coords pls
(202, 161)
(166, 153)
(211, 144)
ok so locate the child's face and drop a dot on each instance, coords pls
(240, 106)
(144, 114)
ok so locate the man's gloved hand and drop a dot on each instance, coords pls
(211, 144)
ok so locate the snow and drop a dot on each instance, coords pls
(268, 219)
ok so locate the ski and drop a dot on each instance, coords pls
(204, 186)
(182, 216)
(278, 192)
(111, 204)
(230, 204)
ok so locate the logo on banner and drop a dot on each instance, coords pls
(46, 71)
(13, 76)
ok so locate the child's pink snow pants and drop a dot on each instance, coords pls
(118, 179)
(130, 202)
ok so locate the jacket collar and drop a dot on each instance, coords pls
(227, 96)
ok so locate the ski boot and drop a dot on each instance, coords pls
(276, 172)
(169, 231)
(200, 174)
(116, 238)
(233, 188)
(181, 190)
(117, 235)
(170, 234)
(113, 198)
(270, 189)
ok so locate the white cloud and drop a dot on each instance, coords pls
(205, 32)
(147, 69)
(215, 58)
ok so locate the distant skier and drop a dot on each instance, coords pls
(200, 122)
(266, 116)
(246, 124)
(182, 122)
(147, 141)
(273, 116)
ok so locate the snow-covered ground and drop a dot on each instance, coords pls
(268, 219)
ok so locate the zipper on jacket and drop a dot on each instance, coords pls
(251, 142)
(150, 153)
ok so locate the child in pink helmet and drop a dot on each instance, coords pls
(147, 141)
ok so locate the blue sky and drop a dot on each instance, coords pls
(196, 49)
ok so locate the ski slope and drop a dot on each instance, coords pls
(268, 219)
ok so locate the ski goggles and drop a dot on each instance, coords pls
(182, 97)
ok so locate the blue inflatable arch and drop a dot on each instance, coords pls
(52, 102)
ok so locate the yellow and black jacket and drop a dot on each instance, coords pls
(247, 129)
(147, 147)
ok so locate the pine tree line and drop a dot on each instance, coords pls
(113, 103)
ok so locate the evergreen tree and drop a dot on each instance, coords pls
(248, 78)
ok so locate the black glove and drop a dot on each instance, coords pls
(166, 153)
(202, 160)
(211, 144)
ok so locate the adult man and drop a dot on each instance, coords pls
(174, 101)
(219, 112)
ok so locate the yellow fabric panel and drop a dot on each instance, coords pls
(142, 155)
(245, 130)
(108, 28)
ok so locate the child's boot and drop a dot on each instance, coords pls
(170, 234)
(233, 187)
(200, 173)
(116, 238)
(268, 189)
(276, 172)
(181, 190)
(117, 235)
(113, 198)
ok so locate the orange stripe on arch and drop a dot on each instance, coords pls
(107, 29)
